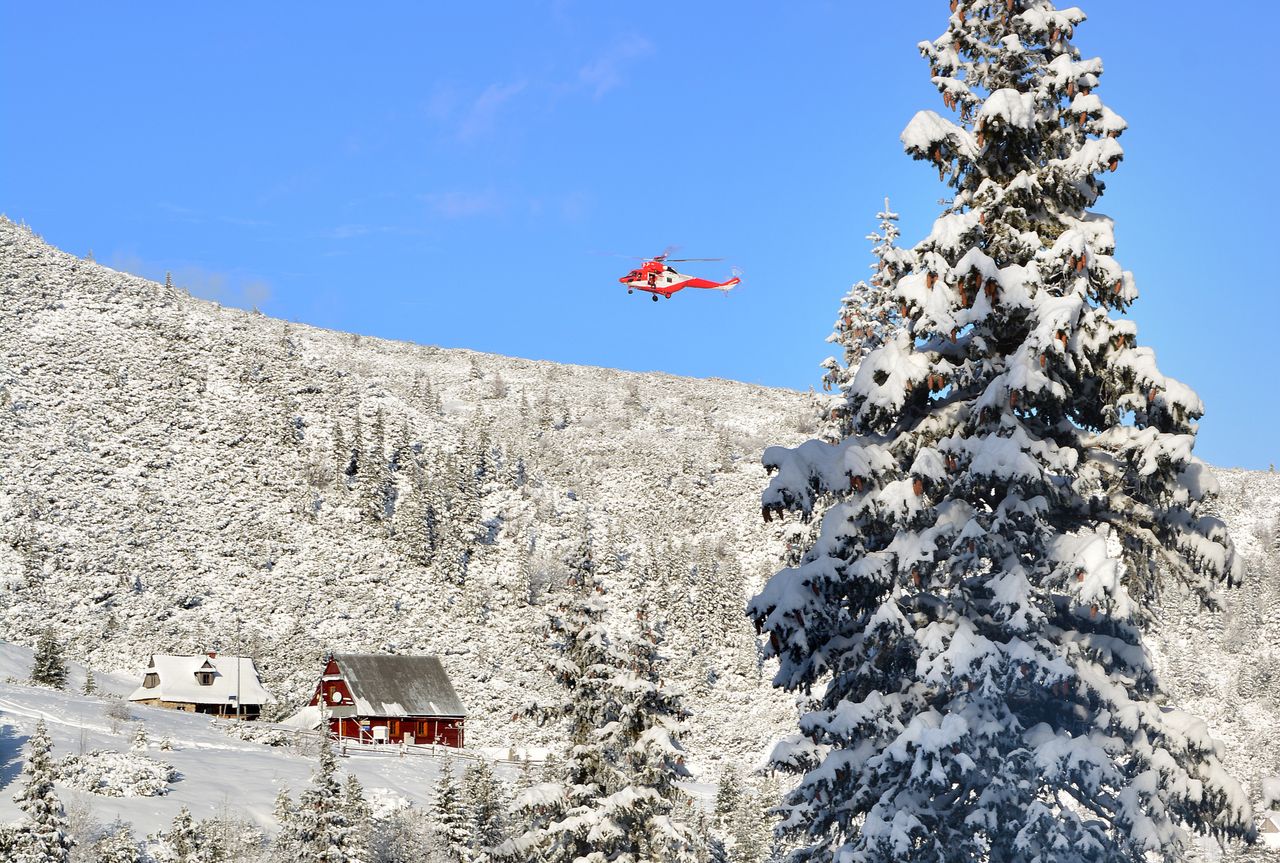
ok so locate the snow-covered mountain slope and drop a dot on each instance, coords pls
(170, 484)
(170, 480)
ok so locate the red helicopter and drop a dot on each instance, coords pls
(656, 276)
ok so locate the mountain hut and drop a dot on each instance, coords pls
(389, 699)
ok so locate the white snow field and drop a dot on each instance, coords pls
(170, 482)
(216, 772)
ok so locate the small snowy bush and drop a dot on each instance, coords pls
(117, 774)
(265, 735)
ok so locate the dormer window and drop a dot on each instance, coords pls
(205, 673)
(150, 680)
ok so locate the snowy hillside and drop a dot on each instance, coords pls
(171, 484)
(176, 476)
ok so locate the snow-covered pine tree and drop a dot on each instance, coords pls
(359, 815)
(487, 809)
(184, 839)
(41, 836)
(48, 668)
(728, 795)
(118, 846)
(453, 834)
(646, 735)
(90, 684)
(317, 828)
(868, 318)
(1019, 484)
(140, 740)
(375, 472)
(341, 456)
(569, 817)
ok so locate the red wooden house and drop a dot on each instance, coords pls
(390, 699)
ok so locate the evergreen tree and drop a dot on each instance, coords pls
(453, 833)
(375, 474)
(359, 815)
(983, 692)
(728, 795)
(342, 466)
(118, 846)
(868, 319)
(168, 279)
(486, 805)
(48, 668)
(646, 733)
(140, 739)
(184, 838)
(90, 684)
(318, 829)
(41, 836)
(571, 814)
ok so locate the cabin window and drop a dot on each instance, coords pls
(204, 678)
(151, 680)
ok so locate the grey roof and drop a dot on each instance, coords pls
(399, 685)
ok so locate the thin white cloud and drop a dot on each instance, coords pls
(481, 116)
(605, 72)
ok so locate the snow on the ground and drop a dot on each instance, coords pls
(15, 667)
(216, 772)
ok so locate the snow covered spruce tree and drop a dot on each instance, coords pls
(564, 815)
(646, 735)
(615, 792)
(318, 829)
(48, 668)
(1017, 486)
(41, 836)
(868, 318)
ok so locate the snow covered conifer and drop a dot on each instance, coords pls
(569, 816)
(318, 829)
(452, 830)
(728, 794)
(184, 838)
(90, 684)
(359, 815)
(1017, 484)
(119, 846)
(646, 735)
(48, 668)
(487, 807)
(42, 835)
(868, 319)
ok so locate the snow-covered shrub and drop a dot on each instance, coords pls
(117, 774)
(1271, 792)
(264, 734)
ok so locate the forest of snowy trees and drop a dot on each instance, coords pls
(993, 537)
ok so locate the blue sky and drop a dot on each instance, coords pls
(454, 174)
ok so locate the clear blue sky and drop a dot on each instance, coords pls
(449, 173)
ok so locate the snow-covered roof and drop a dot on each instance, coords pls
(399, 685)
(235, 678)
(1269, 829)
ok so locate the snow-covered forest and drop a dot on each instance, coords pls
(985, 578)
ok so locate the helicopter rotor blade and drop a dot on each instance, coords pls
(694, 259)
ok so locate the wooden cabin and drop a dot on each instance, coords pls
(224, 686)
(390, 699)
